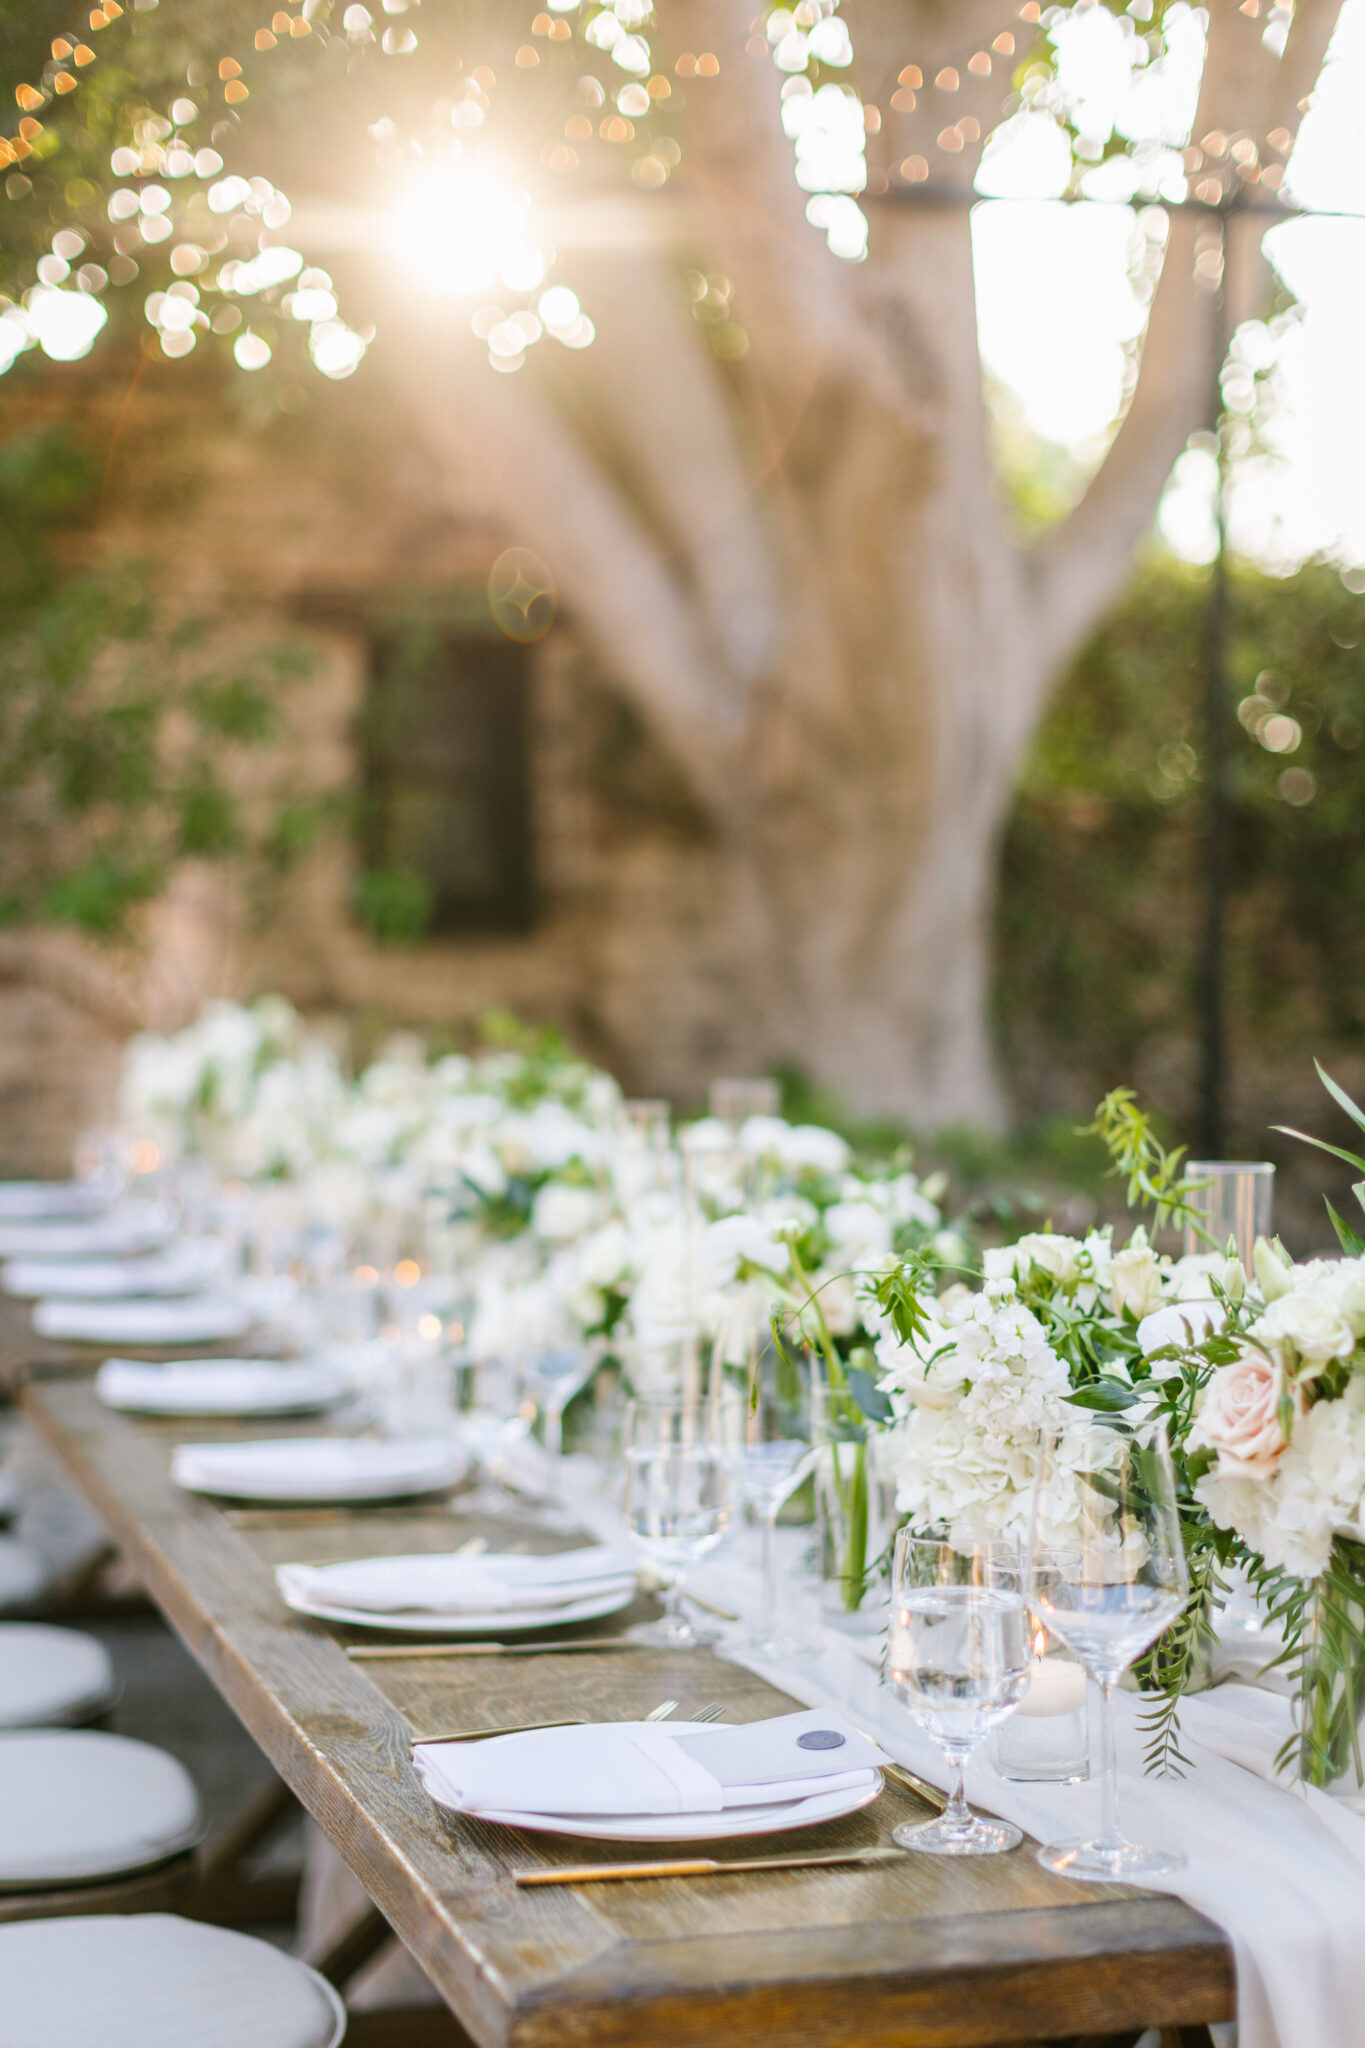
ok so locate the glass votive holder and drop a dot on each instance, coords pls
(1046, 1740)
(1232, 1200)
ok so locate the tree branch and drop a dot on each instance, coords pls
(1244, 90)
(681, 457)
(1082, 565)
(533, 474)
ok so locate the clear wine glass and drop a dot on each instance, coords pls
(772, 1456)
(958, 1658)
(1106, 1573)
(677, 1503)
(550, 1379)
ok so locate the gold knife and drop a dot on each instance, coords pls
(703, 1866)
(482, 1734)
(362, 1653)
(912, 1782)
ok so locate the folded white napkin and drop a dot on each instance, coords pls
(195, 1319)
(34, 1198)
(219, 1386)
(447, 1584)
(136, 1226)
(635, 1768)
(183, 1269)
(320, 1468)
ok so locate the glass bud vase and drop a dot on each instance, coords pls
(855, 1512)
(1330, 1707)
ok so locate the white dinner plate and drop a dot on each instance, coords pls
(219, 1387)
(33, 1200)
(732, 1823)
(141, 1226)
(320, 1469)
(195, 1319)
(422, 1622)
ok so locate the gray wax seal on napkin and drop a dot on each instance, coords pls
(821, 1738)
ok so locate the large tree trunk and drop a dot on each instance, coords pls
(797, 563)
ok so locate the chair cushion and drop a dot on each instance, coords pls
(23, 1574)
(151, 1980)
(51, 1677)
(76, 1805)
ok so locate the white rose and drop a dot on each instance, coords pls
(1058, 1256)
(1312, 1322)
(1135, 1281)
(561, 1214)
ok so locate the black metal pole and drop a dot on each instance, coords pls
(1215, 706)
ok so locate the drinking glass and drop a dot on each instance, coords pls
(735, 1101)
(550, 1379)
(1108, 1588)
(1232, 1202)
(771, 1458)
(958, 1658)
(677, 1504)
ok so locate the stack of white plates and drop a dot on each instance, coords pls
(323, 1469)
(449, 1594)
(194, 1319)
(220, 1386)
(650, 1781)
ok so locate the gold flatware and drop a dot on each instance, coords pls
(651, 1583)
(372, 1653)
(486, 1734)
(709, 1606)
(912, 1782)
(659, 1713)
(704, 1866)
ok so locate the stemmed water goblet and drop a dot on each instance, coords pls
(1107, 1577)
(550, 1379)
(677, 1502)
(771, 1457)
(958, 1658)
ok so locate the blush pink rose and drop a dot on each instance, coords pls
(1240, 1417)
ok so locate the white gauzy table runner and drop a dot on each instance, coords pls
(1281, 1870)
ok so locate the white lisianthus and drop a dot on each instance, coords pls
(859, 1230)
(1135, 1281)
(1272, 1272)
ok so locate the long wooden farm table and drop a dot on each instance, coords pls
(927, 1953)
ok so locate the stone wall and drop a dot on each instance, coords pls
(311, 527)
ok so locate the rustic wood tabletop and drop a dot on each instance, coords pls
(923, 1953)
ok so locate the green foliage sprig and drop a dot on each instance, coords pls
(1152, 1173)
